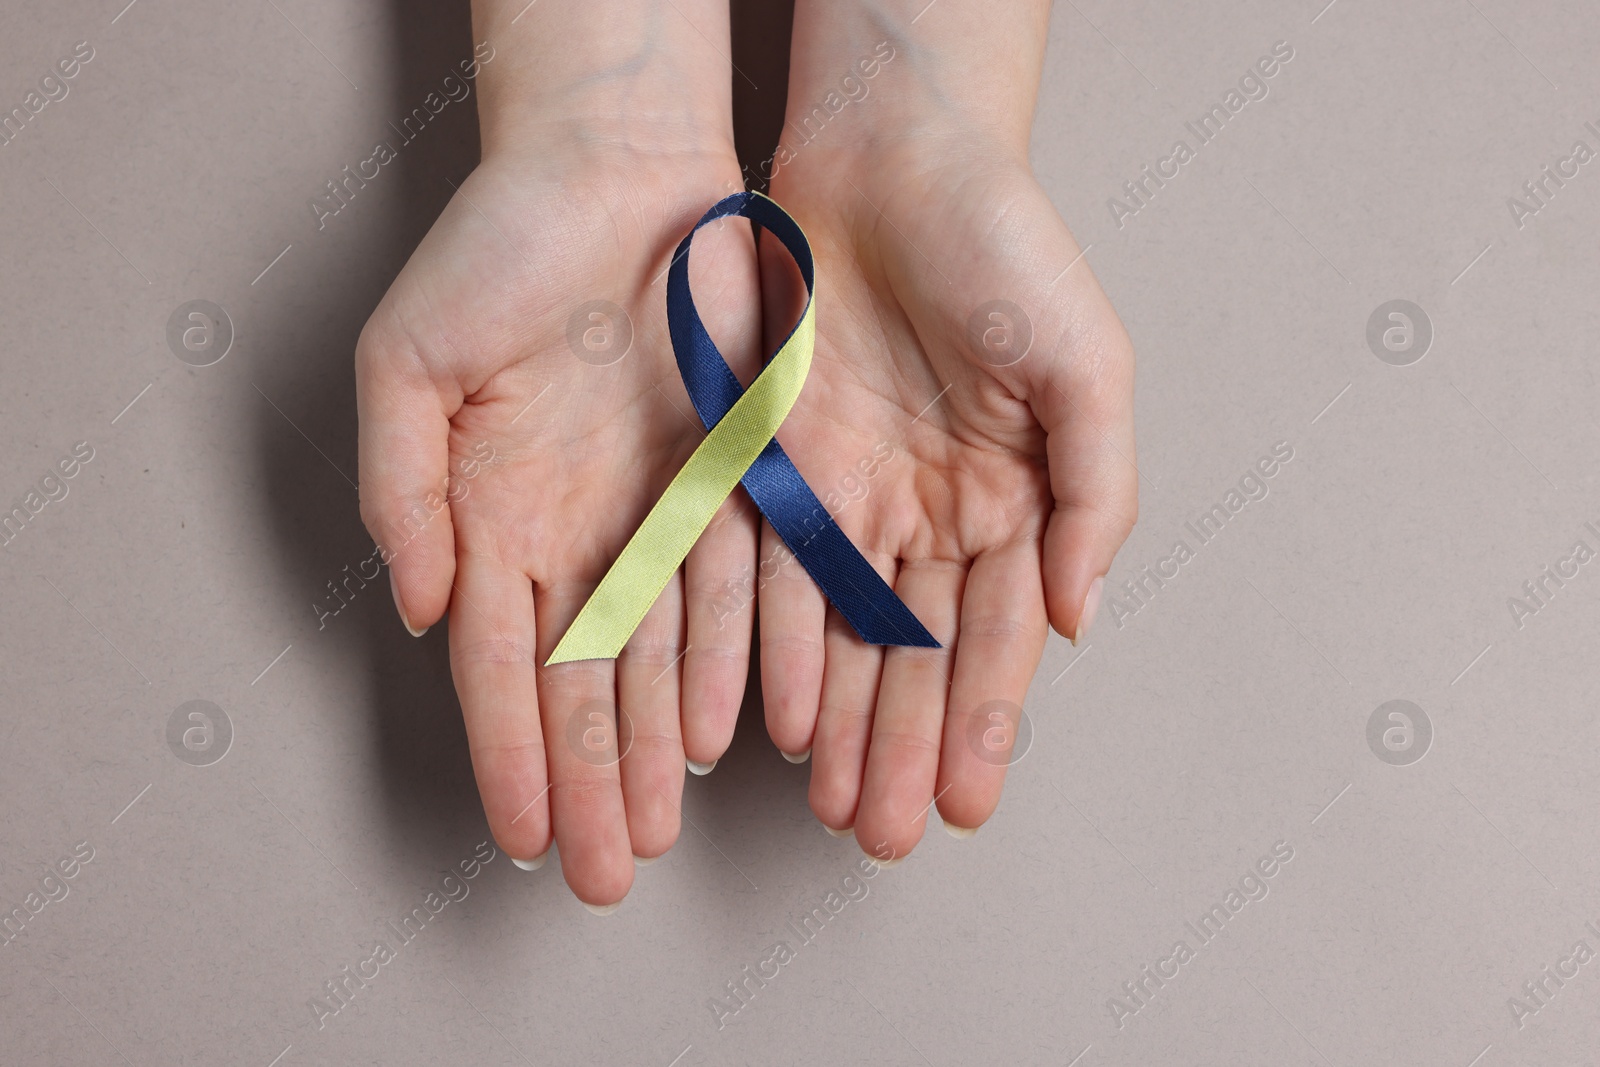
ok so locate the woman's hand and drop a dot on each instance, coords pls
(957, 325)
(519, 368)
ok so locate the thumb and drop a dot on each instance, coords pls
(1084, 400)
(405, 495)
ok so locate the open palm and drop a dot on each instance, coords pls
(969, 409)
(520, 412)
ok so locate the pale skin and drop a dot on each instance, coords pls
(1011, 493)
(1002, 504)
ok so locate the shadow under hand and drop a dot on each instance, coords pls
(429, 802)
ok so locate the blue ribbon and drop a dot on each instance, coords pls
(845, 577)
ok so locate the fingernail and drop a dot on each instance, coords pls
(603, 909)
(644, 861)
(801, 758)
(535, 863)
(1091, 604)
(394, 587)
(700, 768)
(886, 864)
(961, 833)
(846, 832)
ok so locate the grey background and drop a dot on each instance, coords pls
(1230, 713)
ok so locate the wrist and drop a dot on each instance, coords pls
(651, 86)
(594, 133)
(866, 83)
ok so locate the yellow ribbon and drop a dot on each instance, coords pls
(658, 547)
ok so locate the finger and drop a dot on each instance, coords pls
(1084, 401)
(577, 703)
(793, 609)
(648, 733)
(903, 760)
(720, 580)
(1003, 630)
(491, 656)
(851, 673)
(405, 453)
(793, 612)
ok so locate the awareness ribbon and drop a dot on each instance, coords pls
(740, 446)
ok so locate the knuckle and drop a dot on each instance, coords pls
(718, 657)
(587, 795)
(495, 649)
(515, 757)
(905, 742)
(649, 650)
(651, 744)
(1100, 364)
(1120, 516)
(799, 646)
(848, 719)
(1005, 627)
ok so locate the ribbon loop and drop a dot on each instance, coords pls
(740, 446)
